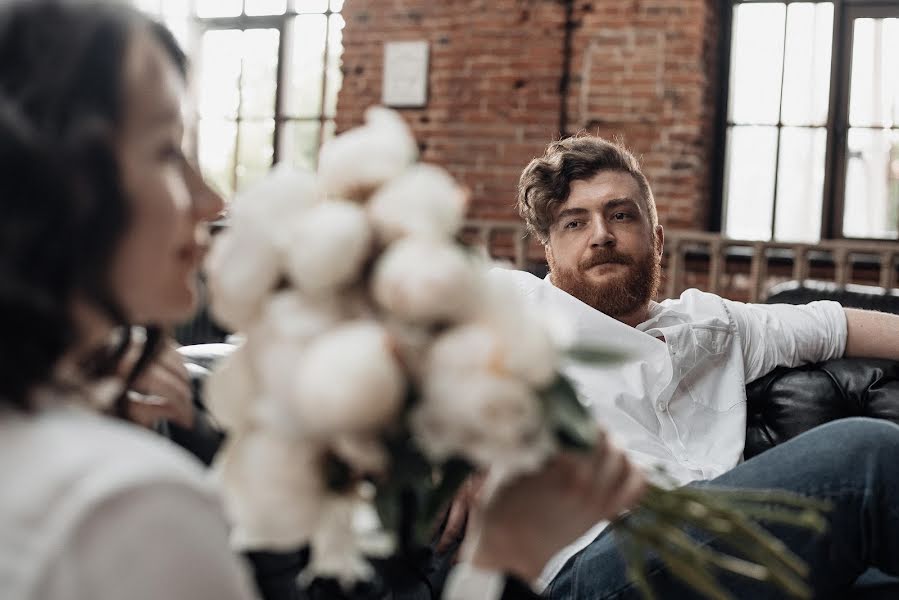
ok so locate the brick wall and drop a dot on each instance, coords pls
(642, 70)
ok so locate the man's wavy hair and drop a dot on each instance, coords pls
(546, 181)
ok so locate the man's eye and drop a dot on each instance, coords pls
(621, 216)
(572, 224)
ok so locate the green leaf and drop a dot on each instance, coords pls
(636, 566)
(387, 503)
(338, 474)
(452, 474)
(572, 423)
(596, 355)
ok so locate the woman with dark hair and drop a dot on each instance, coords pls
(101, 228)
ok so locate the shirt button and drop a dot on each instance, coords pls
(661, 406)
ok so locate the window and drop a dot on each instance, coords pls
(265, 80)
(811, 148)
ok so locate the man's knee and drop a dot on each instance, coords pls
(863, 437)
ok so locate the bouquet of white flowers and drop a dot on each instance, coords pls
(380, 365)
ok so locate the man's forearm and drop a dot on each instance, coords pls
(872, 334)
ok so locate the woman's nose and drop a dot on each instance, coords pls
(208, 204)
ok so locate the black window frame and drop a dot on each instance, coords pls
(282, 22)
(837, 124)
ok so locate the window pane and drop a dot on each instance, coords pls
(255, 151)
(260, 72)
(216, 140)
(874, 96)
(299, 143)
(872, 184)
(756, 63)
(182, 28)
(148, 6)
(310, 6)
(800, 184)
(807, 68)
(303, 96)
(335, 76)
(336, 5)
(749, 188)
(176, 8)
(219, 8)
(265, 7)
(219, 76)
(328, 131)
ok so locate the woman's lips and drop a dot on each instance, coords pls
(192, 253)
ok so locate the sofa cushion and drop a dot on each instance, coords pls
(787, 402)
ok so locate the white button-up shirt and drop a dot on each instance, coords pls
(678, 401)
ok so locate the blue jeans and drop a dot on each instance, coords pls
(852, 462)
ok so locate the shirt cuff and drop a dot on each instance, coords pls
(467, 582)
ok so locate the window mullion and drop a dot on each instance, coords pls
(283, 43)
(780, 103)
(238, 120)
(831, 205)
(325, 57)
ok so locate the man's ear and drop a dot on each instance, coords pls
(548, 253)
(660, 241)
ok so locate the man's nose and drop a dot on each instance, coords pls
(600, 235)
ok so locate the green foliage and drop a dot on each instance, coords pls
(573, 425)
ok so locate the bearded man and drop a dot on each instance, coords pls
(678, 402)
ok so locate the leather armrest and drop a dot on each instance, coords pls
(787, 402)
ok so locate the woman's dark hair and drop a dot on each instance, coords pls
(63, 211)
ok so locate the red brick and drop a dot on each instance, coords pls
(642, 70)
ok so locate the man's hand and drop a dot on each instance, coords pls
(457, 516)
(534, 516)
(162, 391)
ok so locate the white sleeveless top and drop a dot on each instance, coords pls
(96, 509)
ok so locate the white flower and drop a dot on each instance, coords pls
(365, 453)
(411, 343)
(329, 245)
(492, 421)
(290, 315)
(273, 200)
(243, 266)
(342, 539)
(504, 302)
(354, 163)
(231, 391)
(277, 343)
(425, 200)
(273, 490)
(348, 381)
(424, 280)
(525, 352)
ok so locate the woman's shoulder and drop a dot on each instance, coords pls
(72, 446)
(61, 465)
(96, 505)
(64, 466)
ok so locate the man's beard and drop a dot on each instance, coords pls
(621, 294)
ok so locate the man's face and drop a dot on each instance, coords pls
(602, 248)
